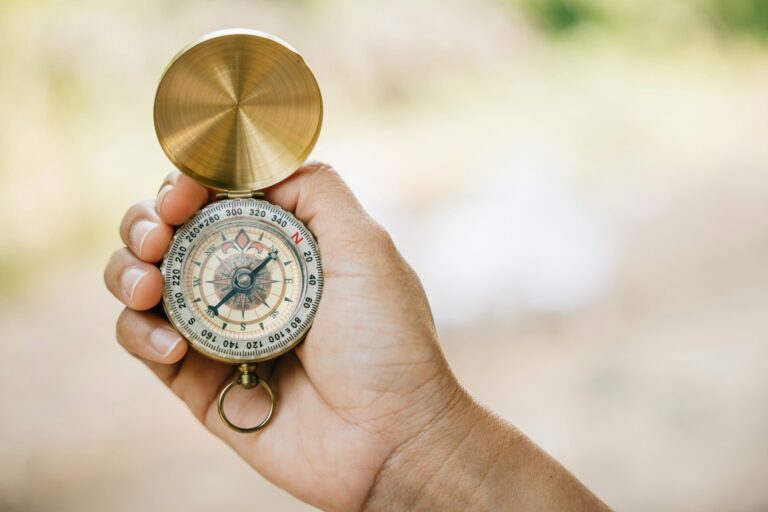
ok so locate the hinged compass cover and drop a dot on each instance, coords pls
(238, 110)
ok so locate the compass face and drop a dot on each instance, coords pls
(242, 280)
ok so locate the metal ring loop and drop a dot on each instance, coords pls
(242, 430)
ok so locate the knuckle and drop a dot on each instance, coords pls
(372, 244)
(369, 240)
(315, 166)
(381, 239)
(322, 177)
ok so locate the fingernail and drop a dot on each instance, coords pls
(163, 340)
(139, 232)
(161, 195)
(130, 278)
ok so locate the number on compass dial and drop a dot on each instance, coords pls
(242, 280)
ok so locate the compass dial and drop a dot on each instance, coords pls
(242, 280)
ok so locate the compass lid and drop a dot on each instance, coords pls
(238, 110)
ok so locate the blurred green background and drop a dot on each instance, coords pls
(609, 155)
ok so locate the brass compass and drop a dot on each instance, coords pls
(238, 111)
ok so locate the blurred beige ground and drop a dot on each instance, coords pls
(619, 178)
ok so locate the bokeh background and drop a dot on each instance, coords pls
(610, 155)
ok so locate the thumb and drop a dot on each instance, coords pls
(323, 202)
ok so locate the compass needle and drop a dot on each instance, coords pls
(242, 306)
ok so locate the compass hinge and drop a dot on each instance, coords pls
(239, 194)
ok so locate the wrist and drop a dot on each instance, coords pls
(468, 460)
(443, 466)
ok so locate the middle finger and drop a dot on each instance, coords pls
(135, 283)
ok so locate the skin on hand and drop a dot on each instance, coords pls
(369, 410)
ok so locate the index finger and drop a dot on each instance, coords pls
(180, 197)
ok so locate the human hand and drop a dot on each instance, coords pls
(368, 376)
(368, 410)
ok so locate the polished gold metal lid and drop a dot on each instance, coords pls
(238, 110)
